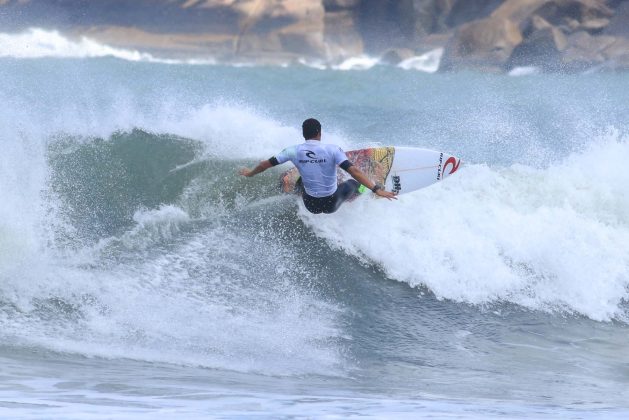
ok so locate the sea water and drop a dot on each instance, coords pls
(141, 277)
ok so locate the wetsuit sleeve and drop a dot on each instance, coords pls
(346, 164)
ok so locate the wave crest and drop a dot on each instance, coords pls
(550, 239)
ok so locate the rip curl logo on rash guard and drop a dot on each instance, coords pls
(312, 158)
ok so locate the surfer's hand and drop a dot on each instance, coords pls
(386, 194)
(262, 166)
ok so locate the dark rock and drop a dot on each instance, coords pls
(342, 38)
(595, 25)
(485, 44)
(336, 5)
(541, 49)
(147, 15)
(570, 15)
(585, 51)
(542, 42)
(396, 55)
(288, 26)
(465, 11)
(484, 34)
(299, 43)
(617, 54)
(537, 23)
(590, 14)
(386, 23)
(619, 23)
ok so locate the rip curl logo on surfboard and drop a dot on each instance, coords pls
(455, 165)
(441, 168)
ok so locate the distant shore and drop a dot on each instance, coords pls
(495, 36)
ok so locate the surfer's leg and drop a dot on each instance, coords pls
(299, 187)
(348, 189)
(311, 204)
(345, 191)
(330, 204)
(318, 205)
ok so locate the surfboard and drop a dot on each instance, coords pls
(399, 169)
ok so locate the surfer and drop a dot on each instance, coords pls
(317, 163)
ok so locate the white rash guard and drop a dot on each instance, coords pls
(316, 163)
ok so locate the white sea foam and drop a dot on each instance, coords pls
(66, 396)
(524, 71)
(236, 132)
(23, 174)
(548, 239)
(363, 62)
(152, 226)
(39, 43)
(428, 62)
(186, 307)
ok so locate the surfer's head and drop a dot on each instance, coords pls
(311, 129)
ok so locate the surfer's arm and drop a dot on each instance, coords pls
(262, 166)
(361, 177)
(283, 156)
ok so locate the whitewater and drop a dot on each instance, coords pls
(140, 276)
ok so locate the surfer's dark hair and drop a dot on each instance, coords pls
(311, 128)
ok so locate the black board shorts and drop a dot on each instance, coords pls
(331, 203)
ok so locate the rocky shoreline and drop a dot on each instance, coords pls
(485, 35)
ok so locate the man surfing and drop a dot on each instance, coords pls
(316, 163)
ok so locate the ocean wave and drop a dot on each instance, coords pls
(150, 284)
(201, 303)
(234, 132)
(152, 228)
(161, 252)
(102, 183)
(127, 271)
(40, 43)
(524, 71)
(428, 62)
(95, 173)
(551, 239)
(537, 237)
(362, 62)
